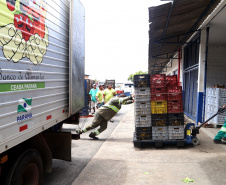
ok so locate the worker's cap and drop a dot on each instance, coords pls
(94, 84)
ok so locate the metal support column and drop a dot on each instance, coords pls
(201, 76)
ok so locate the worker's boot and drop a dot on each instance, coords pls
(223, 140)
(93, 136)
(217, 141)
(79, 131)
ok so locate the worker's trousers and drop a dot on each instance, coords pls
(222, 132)
(97, 121)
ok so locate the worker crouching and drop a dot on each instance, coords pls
(105, 113)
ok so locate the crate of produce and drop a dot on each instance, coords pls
(142, 105)
(174, 93)
(174, 89)
(160, 133)
(159, 120)
(142, 111)
(158, 90)
(141, 77)
(158, 83)
(142, 98)
(144, 120)
(142, 108)
(141, 80)
(143, 135)
(143, 124)
(174, 96)
(171, 80)
(143, 129)
(143, 117)
(159, 97)
(175, 106)
(176, 132)
(176, 119)
(142, 91)
(158, 107)
(157, 77)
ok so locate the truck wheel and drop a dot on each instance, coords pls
(27, 170)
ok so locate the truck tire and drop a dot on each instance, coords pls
(26, 169)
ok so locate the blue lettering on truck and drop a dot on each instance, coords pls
(24, 117)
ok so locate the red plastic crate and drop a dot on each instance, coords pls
(174, 93)
(158, 83)
(157, 90)
(175, 106)
(174, 89)
(157, 77)
(171, 83)
(174, 96)
(157, 97)
(171, 79)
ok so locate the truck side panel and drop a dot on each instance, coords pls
(77, 54)
(34, 68)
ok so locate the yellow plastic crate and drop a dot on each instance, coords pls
(159, 107)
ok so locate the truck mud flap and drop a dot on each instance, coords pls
(59, 144)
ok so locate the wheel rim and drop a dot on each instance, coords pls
(30, 175)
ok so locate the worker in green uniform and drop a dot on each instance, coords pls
(108, 93)
(220, 138)
(105, 113)
(100, 96)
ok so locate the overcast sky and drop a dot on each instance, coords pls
(116, 37)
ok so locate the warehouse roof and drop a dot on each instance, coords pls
(171, 25)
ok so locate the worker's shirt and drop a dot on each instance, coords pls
(93, 93)
(108, 94)
(100, 95)
(110, 109)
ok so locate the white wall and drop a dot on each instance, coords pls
(216, 66)
(170, 69)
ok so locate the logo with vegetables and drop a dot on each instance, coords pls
(23, 32)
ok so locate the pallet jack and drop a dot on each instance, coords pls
(192, 130)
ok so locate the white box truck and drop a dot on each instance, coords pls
(42, 61)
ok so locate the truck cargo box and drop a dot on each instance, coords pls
(41, 66)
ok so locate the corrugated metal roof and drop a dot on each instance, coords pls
(186, 16)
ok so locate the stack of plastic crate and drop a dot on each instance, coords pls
(215, 99)
(175, 109)
(159, 107)
(166, 108)
(142, 107)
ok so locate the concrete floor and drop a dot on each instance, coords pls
(83, 150)
(118, 162)
(113, 160)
